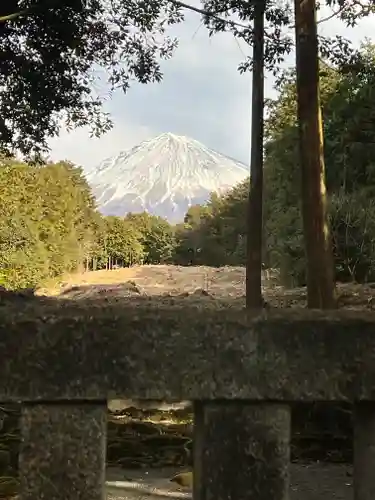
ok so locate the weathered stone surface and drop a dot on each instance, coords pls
(241, 451)
(69, 351)
(364, 451)
(62, 452)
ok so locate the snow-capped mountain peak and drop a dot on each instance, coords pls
(164, 176)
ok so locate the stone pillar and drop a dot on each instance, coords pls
(63, 450)
(241, 451)
(364, 451)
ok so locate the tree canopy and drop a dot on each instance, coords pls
(51, 55)
(47, 221)
(49, 225)
(216, 233)
(54, 52)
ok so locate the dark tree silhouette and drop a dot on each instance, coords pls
(52, 52)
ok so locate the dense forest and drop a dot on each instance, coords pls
(216, 233)
(49, 224)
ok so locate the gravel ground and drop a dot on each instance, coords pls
(308, 482)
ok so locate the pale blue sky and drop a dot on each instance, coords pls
(202, 96)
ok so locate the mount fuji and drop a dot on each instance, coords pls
(163, 176)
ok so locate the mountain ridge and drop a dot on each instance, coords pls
(164, 176)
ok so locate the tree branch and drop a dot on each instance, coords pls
(10, 17)
(207, 13)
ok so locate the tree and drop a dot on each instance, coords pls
(51, 54)
(319, 258)
(320, 279)
(215, 234)
(236, 16)
(349, 110)
(218, 229)
(47, 221)
(191, 235)
(156, 236)
(349, 148)
(53, 51)
(353, 231)
(255, 207)
(122, 243)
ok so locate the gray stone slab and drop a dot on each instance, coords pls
(59, 352)
(63, 451)
(364, 451)
(242, 452)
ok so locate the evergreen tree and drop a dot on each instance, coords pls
(218, 229)
(47, 221)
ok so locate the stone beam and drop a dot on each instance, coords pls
(56, 351)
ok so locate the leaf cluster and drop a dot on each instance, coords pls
(52, 54)
(215, 234)
(47, 221)
(49, 226)
(280, 25)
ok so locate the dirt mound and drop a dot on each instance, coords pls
(120, 290)
(155, 280)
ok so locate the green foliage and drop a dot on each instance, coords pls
(49, 226)
(54, 52)
(47, 218)
(279, 24)
(121, 242)
(353, 224)
(191, 236)
(349, 151)
(156, 236)
(215, 234)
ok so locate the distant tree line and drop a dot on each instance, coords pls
(134, 239)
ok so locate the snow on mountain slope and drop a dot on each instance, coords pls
(164, 176)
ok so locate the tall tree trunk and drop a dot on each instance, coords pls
(318, 245)
(255, 205)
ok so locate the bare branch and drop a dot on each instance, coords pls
(207, 13)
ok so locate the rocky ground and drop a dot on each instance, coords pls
(145, 445)
(225, 284)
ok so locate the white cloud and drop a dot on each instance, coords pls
(202, 96)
